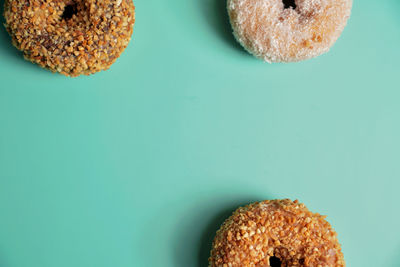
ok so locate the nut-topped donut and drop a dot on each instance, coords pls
(72, 37)
(288, 30)
(276, 233)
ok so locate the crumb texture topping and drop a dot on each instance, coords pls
(276, 233)
(72, 37)
(288, 31)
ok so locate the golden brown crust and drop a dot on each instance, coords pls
(276, 228)
(87, 42)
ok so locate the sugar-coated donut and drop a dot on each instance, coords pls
(288, 30)
(72, 37)
(276, 233)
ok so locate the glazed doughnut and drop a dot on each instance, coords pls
(276, 233)
(288, 30)
(72, 37)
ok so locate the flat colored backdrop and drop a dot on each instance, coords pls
(139, 165)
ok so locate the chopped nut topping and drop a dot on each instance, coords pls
(72, 37)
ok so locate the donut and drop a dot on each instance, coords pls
(71, 37)
(276, 233)
(288, 30)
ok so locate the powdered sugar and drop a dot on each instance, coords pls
(277, 34)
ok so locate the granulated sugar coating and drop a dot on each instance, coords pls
(276, 32)
(72, 37)
(276, 233)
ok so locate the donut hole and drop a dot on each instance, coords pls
(69, 11)
(289, 4)
(275, 262)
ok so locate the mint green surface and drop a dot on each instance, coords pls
(139, 165)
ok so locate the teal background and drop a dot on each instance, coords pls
(139, 165)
